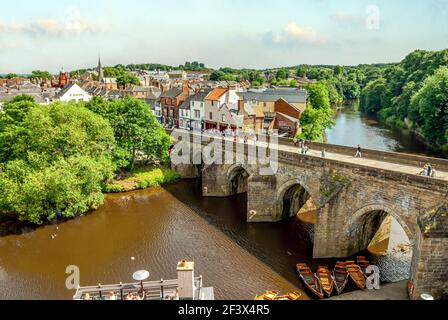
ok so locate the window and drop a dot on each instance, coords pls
(264, 104)
(197, 114)
(213, 103)
(223, 118)
(211, 116)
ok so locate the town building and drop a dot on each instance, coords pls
(72, 93)
(169, 103)
(192, 111)
(63, 78)
(221, 109)
(274, 108)
(177, 75)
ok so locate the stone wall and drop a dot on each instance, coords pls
(429, 271)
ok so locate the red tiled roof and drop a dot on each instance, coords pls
(216, 93)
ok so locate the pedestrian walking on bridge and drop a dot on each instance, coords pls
(358, 152)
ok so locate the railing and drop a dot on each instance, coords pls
(153, 290)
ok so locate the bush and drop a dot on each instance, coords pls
(113, 188)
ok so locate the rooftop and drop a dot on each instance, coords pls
(290, 95)
(171, 93)
(216, 94)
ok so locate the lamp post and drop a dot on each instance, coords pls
(141, 275)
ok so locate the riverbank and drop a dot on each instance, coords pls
(142, 178)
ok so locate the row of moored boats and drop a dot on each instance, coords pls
(323, 282)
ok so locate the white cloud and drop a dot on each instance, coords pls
(73, 24)
(293, 33)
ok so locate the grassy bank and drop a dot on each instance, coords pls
(142, 178)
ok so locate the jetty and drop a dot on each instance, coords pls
(185, 287)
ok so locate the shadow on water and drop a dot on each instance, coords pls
(279, 245)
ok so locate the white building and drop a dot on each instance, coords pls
(221, 109)
(72, 93)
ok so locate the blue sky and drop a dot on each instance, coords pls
(49, 34)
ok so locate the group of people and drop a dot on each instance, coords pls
(303, 145)
(428, 170)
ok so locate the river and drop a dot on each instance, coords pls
(160, 226)
(353, 128)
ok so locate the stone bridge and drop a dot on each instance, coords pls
(352, 197)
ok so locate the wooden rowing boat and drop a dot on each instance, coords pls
(325, 279)
(269, 295)
(356, 275)
(294, 295)
(341, 276)
(274, 295)
(363, 263)
(310, 280)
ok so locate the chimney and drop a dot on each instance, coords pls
(185, 280)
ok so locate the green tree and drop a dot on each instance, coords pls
(318, 115)
(37, 74)
(373, 96)
(126, 79)
(431, 102)
(54, 161)
(318, 95)
(137, 132)
(282, 74)
(11, 75)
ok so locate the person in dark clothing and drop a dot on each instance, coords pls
(358, 152)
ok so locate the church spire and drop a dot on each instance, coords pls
(100, 69)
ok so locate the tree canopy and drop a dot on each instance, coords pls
(318, 115)
(55, 160)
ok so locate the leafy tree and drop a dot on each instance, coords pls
(126, 79)
(351, 90)
(338, 71)
(37, 74)
(373, 97)
(11, 75)
(431, 102)
(282, 74)
(318, 115)
(137, 132)
(318, 95)
(54, 160)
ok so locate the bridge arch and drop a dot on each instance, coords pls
(365, 222)
(291, 197)
(238, 178)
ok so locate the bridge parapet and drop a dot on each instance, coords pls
(393, 157)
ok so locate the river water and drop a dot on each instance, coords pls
(353, 128)
(160, 226)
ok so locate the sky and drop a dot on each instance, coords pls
(49, 35)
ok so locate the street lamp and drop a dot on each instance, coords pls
(141, 276)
